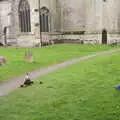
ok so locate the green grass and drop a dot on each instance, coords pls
(43, 57)
(83, 91)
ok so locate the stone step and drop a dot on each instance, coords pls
(26, 41)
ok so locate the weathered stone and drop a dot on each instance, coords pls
(29, 56)
(2, 60)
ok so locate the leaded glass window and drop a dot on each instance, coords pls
(24, 16)
(44, 16)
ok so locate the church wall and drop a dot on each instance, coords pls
(93, 16)
(96, 16)
(50, 4)
(58, 16)
(111, 20)
(5, 9)
(72, 14)
(110, 11)
(118, 15)
(34, 14)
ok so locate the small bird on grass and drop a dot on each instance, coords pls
(41, 82)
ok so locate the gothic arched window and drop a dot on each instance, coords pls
(24, 16)
(44, 16)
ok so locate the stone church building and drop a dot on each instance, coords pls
(34, 22)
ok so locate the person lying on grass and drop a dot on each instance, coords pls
(27, 81)
(117, 87)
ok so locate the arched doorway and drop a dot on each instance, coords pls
(104, 36)
(5, 35)
(24, 16)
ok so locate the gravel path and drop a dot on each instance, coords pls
(14, 83)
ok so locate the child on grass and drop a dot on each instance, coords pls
(27, 81)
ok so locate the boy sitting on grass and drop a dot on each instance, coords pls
(27, 81)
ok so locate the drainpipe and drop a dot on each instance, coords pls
(40, 23)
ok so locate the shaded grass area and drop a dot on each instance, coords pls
(83, 91)
(43, 57)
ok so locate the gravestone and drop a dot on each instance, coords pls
(29, 56)
(2, 60)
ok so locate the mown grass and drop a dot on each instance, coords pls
(43, 57)
(83, 91)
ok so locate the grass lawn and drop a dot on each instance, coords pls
(83, 91)
(43, 57)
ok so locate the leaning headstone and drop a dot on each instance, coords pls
(2, 60)
(29, 56)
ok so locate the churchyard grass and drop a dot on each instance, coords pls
(43, 57)
(83, 91)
